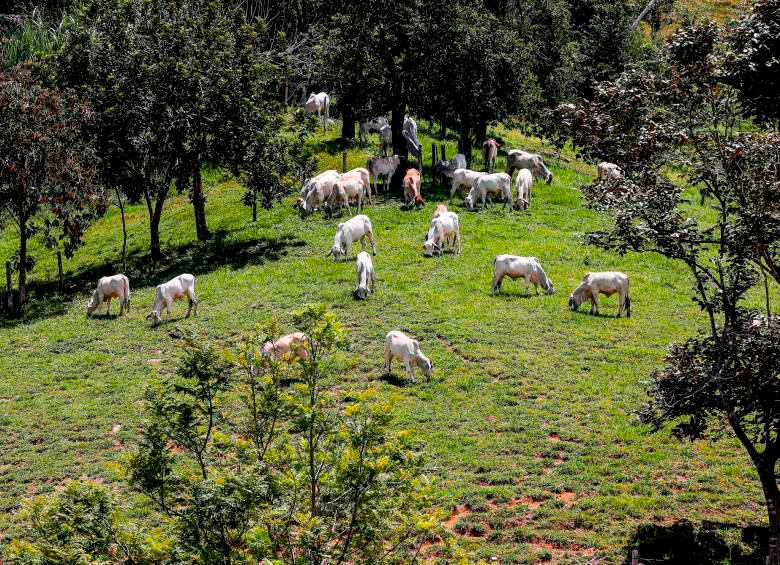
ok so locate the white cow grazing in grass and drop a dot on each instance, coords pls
(606, 283)
(400, 346)
(319, 192)
(312, 182)
(524, 182)
(344, 192)
(371, 126)
(445, 228)
(319, 104)
(496, 184)
(516, 267)
(383, 167)
(366, 279)
(175, 289)
(463, 178)
(608, 171)
(355, 229)
(116, 286)
(289, 347)
(517, 159)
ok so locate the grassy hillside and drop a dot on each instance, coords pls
(528, 421)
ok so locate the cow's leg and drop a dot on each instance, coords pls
(388, 359)
(408, 367)
(108, 306)
(621, 302)
(527, 278)
(373, 242)
(497, 283)
(594, 304)
(168, 308)
(193, 301)
(373, 281)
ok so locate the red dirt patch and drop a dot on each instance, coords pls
(554, 437)
(527, 500)
(566, 496)
(461, 511)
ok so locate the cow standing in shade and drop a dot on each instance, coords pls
(319, 104)
(489, 154)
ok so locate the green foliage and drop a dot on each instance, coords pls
(31, 37)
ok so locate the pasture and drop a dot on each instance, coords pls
(528, 422)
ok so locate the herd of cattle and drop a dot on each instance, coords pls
(331, 191)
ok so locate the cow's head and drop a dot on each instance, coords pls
(156, 318)
(431, 248)
(548, 177)
(549, 289)
(426, 365)
(92, 304)
(338, 252)
(469, 201)
(361, 293)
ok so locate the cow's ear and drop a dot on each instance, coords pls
(329, 253)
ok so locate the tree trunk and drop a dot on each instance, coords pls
(199, 205)
(23, 236)
(254, 209)
(443, 131)
(772, 496)
(465, 141)
(347, 122)
(124, 229)
(399, 146)
(154, 229)
(481, 133)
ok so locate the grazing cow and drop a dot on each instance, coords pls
(363, 176)
(517, 159)
(331, 175)
(516, 267)
(410, 126)
(319, 103)
(320, 189)
(440, 209)
(524, 182)
(411, 184)
(489, 154)
(383, 167)
(499, 184)
(289, 347)
(400, 346)
(606, 283)
(371, 126)
(345, 191)
(463, 178)
(447, 168)
(607, 171)
(355, 229)
(413, 145)
(175, 289)
(386, 135)
(445, 228)
(366, 279)
(116, 286)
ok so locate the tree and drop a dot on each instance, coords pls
(48, 170)
(728, 375)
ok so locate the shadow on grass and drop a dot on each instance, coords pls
(395, 380)
(683, 543)
(46, 300)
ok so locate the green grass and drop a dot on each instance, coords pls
(528, 421)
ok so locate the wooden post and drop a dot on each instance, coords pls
(433, 163)
(635, 557)
(443, 152)
(9, 288)
(343, 161)
(59, 270)
(286, 92)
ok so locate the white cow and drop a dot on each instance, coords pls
(447, 168)
(606, 283)
(489, 154)
(524, 182)
(312, 182)
(175, 289)
(517, 159)
(344, 192)
(355, 229)
(319, 192)
(386, 142)
(516, 267)
(445, 228)
(608, 171)
(116, 286)
(496, 184)
(400, 346)
(383, 167)
(413, 145)
(366, 279)
(463, 178)
(290, 347)
(374, 125)
(319, 103)
(363, 176)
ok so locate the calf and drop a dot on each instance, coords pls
(365, 276)
(318, 190)
(524, 182)
(371, 126)
(447, 168)
(343, 192)
(411, 186)
(363, 176)
(463, 178)
(606, 283)
(413, 145)
(386, 135)
(499, 184)
(516, 267)
(607, 171)
(308, 185)
(383, 167)
(116, 286)
(443, 229)
(400, 346)
(489, 154)
(175, 289)
(440, 209)
(356, 229)
(517, 159)
(289, 347)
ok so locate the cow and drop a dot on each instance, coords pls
(445, 228)
(319, 103)
(606, 283)
(607, 171)
(363, 176)
(383, 167)
(440, 209)
(524, 182)
(447, 168)
(371, 126)
(517, 159)
(386, 142)
(411, 184)
(499, 184)
(355, 229)
(516, 267)
(413, 145)
(463, 178)
(366, 279)
(400, 346)
(289, 347)
(116, 286)
(345, 191)
(325, 176)
(175, 289)
(489, 154)
(319, 192)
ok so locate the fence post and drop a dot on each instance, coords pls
(635, 557)
(433, 163)
(343, 161)
(9, 286)
(443, 152)
(59, 269)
